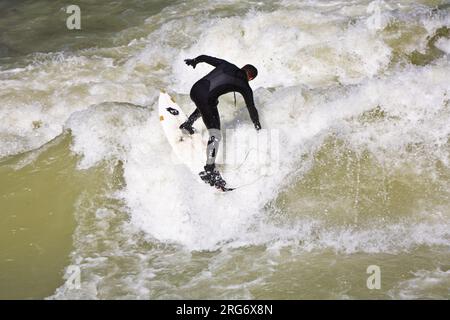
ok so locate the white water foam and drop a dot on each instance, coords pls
(168, 202)
(422, 285)
(328, 65)
(318, 76)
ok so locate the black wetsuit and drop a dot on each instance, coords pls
(225, 78)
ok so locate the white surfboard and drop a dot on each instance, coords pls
(188, 149)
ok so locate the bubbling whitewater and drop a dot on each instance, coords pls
(358, 94)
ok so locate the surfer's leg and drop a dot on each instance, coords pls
(199, 95)
(211, 175)
(194, 116)
(212, 148)
(212, 122)
(210, 116)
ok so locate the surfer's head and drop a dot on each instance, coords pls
(251, 71)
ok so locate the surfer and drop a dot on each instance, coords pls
(225, 78)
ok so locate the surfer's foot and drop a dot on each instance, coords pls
(187, 128)
(212, 177)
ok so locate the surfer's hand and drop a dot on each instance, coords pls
(191, 62)
(257, 126)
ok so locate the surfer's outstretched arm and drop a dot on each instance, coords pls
(209, 60)
(247, 93)
(204, 58)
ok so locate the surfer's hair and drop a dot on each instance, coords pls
(251, 70)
